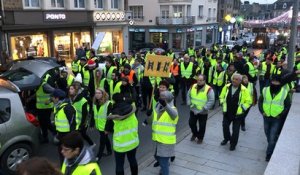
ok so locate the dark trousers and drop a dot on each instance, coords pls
(104, 142)
(138, 96)
(201, 118)
(176, 86)
(45, 121)
(85, 136)
(263, 83)
(120, 159)
(146, 94)
(236, 123)
(185, 86)
(271, 127)
(244, 118)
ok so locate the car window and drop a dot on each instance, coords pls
(21, 76)
(5, 110)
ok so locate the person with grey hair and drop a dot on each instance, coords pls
(165, 118)
(235, 100)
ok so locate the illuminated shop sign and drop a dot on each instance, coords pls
(54, 16)
(109, 16)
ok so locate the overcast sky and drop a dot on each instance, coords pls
(261, 1)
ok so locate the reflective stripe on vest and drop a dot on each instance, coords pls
(78, 107)
(264, 68)
(60, 119)
(108, 74)
(83, 169)
(42, 98)
(125, 137)
(273, 107)
(252, 70)
(164, 128)
(219, 78)
(199, 99)
(114, 89)
(70, 80)
(186, 72)
(100, 115)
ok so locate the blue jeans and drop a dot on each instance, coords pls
(272, 127)
(164, 164)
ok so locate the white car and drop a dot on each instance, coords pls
(230, 44)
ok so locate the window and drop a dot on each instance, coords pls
(177, 11)
(79, 4)
(214, 13)
(137, 12)
(164, 11)
(98, 4)
(200, 11)
(114, 4)
(57, 3)
(32, 3)
(5, 110)
(209, 13)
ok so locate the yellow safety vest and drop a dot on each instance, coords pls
(199, 99)
(75, 65)
(219, 78)
(164, 128)
(100, 115)
(273, 107)
(60, 119)
(86, 75)
(125, 137)
(244, 102)
(186, 72)
(113, 90)
(83, 169)
(78, 107)
(298, 68)
(252, 71)
(191, 52)
(250, 88)
(70, 80)
(41, 97)
(170, 55)
(264, 68)
(109, 73)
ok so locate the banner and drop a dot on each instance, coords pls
(158, 66)
(98, 40)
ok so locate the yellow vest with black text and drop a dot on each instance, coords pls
(244, 102)
(186, 72)
(273, 107)
(199, 99)
(125, 136)
(42, 98)
(164, 128)
(100, 115)
(84, 169)
(78, 107)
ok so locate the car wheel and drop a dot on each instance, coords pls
(14, 155)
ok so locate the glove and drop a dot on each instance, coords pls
(162, 102)
(149, 112)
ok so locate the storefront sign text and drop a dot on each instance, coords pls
(55, 16)
(158, 66)
(109, 16)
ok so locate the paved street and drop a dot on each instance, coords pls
(212, 158)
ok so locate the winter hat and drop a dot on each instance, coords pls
(78, 78)
(91, 63)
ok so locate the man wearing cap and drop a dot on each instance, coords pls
(64, 115)
(65, 80)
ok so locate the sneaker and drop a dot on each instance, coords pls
(193, 138)
(243, 128)
(156, 164)
(224, 142)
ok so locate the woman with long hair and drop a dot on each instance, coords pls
(101, 109)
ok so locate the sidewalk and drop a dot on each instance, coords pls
(212, 158)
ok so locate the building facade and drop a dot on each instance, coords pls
(58, 27)
(173, 24)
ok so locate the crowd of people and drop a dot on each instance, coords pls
(110, 98)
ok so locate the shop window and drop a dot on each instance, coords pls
(62, 43)
(137, 12)
(198, 38)
(57, 3)
(177, 11)
(160, 39)
(79, 4)
(189, 39)
(115, 4)
(29, 45)
(80, 39)
(200, 14)
(32, 3)
(111, 43)
(177, 40)
(209, 36)
(98, 4)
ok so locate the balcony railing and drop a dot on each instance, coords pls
(170, 1)
(186, 20)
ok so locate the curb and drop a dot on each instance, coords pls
(148, 159)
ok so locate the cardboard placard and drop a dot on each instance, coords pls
(158, 66)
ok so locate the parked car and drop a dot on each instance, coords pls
(19, 131)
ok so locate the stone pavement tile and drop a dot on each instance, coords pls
(190, 158)
(208, 170)
(196, 151)
(181, 170)
(222, 166)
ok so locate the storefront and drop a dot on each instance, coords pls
(136, 38)
(47, 34)
(159, 37)
(114, 28)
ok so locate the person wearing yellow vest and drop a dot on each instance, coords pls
(100, 81)
(65, 79)
(297, 68)
(186, 72)
(114, 85)
(253, 93)
(122, 60)
(88, 76)
(64, 116)
(265, 71)
(109, 69)
(75, 66)
(208, 70)
(235, 100)
(273, 104)
(79, 100)
(200, 98)
(250, 70)
(278, 68)
(101, 109)
(44, 106)
(79, 159)
(171, 53)
(123, 123)
(190, 51)
(164, 121)
(219, 79)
